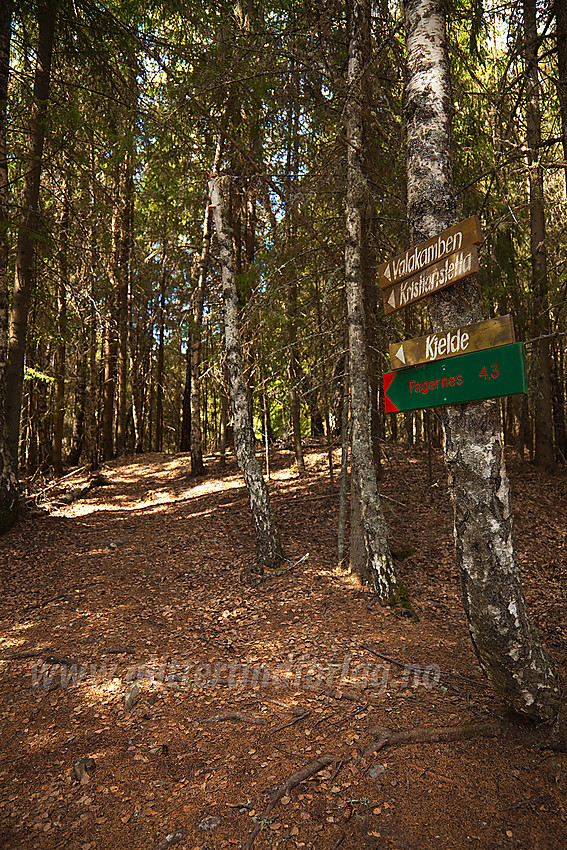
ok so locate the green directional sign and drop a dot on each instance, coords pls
(467, 377)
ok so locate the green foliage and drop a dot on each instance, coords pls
(148, 89)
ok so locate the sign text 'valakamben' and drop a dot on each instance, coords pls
(416, 259)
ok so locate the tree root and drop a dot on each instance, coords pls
(237, 717)
(288, 785)
(426, 735)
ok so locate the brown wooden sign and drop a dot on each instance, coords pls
(476, 337)
(432, 279)
(417, 259)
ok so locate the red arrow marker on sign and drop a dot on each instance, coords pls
(389, 406)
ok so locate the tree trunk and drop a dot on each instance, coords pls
(508, 649)
(160, 376)
(8, 478)
(141, 372)
(379, 567)
(561, 23)
(224, 410)
(110, 352)
(197, 465)
(126, 202)
(294, 370)
(269, 550)
(541, 364)
(27, 231)
(78, 433)
(60, 350)
(115, 308)
(185, 439)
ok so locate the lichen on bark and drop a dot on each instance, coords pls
(508, 648)
(268, 545)
(378, 568)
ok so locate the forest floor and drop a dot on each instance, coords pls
(144, 589)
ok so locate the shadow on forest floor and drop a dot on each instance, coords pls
(148, 582)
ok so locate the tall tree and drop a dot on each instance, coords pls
(8, 478)
(379, 567)
(560, 8)
(268, 545)
(507, 647)
(27, 229)
(541, 365)
(196, 447)
(61, 345)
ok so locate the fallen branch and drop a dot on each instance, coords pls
(237, 717)
(45, 602)
(339, 841)
(426, 735)
(51, 657)
(303, 716)
(62, 661)
(288, 785)
(29, 653)
(118, 650)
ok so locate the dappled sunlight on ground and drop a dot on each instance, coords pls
(149, 581)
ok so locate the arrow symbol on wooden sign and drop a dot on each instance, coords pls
(387, 273)
(392, 299)
(400, 354)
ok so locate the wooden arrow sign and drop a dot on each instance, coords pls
(435, 277)
(417, 259)
(469, 377)
(476, 337)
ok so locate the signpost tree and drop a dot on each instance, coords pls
(508, 649)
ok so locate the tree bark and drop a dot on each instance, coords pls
(294, 369)
(541, 363)
(27, 231)
(78, 433)
(110, 352)
(111, 338)
(185, 438)
(60, 350)
(560, 8)
(197, 465)
(507, 647)
(224, 411)
(268, 545)
(378, 568)
(160, 374)
(8, 478)
(126, 203)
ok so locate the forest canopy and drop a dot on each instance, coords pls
(140, 103)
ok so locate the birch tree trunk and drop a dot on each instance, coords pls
(508, 649)
(379, 568)
(27, 231)
(8, 478)
(268, 545)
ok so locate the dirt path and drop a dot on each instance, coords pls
(146, 589)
